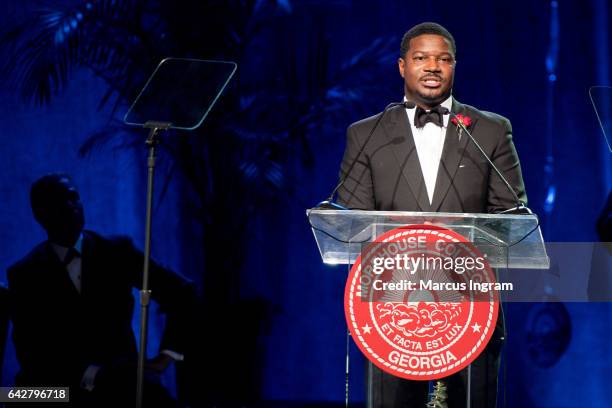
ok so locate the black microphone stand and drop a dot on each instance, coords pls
(329, 203)
(145, 294)
(520, 206)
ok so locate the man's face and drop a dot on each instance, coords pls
(428, 69)
(63, 216)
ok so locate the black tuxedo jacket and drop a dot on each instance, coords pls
(58, 332)
(388, 176)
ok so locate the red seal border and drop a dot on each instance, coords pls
(382, 363)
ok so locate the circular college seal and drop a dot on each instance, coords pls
(421, 302)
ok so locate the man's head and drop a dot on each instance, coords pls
(57, 206)
(427, 64)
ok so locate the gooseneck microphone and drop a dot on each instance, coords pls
(520, 206)
(329, 204)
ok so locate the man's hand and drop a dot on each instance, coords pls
(159, 363)
(119, 372)
(123, 371)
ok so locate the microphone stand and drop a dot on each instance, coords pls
(520, 206)
(145, 294)
(329, 203)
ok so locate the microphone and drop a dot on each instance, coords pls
(329, 204)
(520, 206)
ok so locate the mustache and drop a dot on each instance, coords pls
(431, 76)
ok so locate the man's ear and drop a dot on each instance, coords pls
(401, 64)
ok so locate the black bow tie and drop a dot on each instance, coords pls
(421, 117)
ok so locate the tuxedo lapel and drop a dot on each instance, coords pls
(452, 152)
(398, 131)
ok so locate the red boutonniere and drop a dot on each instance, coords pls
(466, 121)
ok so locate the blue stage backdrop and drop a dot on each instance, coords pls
(231, 198)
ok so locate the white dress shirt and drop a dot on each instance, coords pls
(429, 141)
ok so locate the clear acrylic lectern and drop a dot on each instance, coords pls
(507, 240)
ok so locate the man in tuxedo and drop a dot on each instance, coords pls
(416, 159)
(72, 305)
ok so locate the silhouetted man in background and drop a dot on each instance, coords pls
(72, 306)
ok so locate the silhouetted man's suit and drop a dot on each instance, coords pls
(59, 332)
